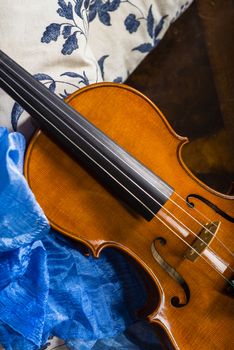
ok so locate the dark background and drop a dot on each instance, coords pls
(190, 77)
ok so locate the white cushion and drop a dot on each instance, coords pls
(69, 44)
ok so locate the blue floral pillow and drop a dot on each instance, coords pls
(70, 44)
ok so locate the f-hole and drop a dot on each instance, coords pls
(175, 301)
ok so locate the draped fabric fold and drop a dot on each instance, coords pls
(47, 286)
(21, 219)
(23, 302)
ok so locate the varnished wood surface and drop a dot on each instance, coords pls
(78, 206)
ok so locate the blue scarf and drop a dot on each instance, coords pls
(48, 287)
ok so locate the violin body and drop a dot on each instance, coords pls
(80, 207)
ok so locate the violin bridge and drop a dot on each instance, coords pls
(202, 241)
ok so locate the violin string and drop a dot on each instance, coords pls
(180, 222)
(187, 213)
(170, 199)
(131, 179)
(144, 191)
(64, 135)
(208, 219)
(195, 251)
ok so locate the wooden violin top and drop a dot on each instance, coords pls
(112, 174)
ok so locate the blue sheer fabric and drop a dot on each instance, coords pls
(48, 287)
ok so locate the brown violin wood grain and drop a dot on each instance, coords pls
(78, 206)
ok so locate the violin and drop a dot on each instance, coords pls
(117, 179)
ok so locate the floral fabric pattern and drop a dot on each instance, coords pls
(81, 42)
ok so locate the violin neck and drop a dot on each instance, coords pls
(134, 183)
